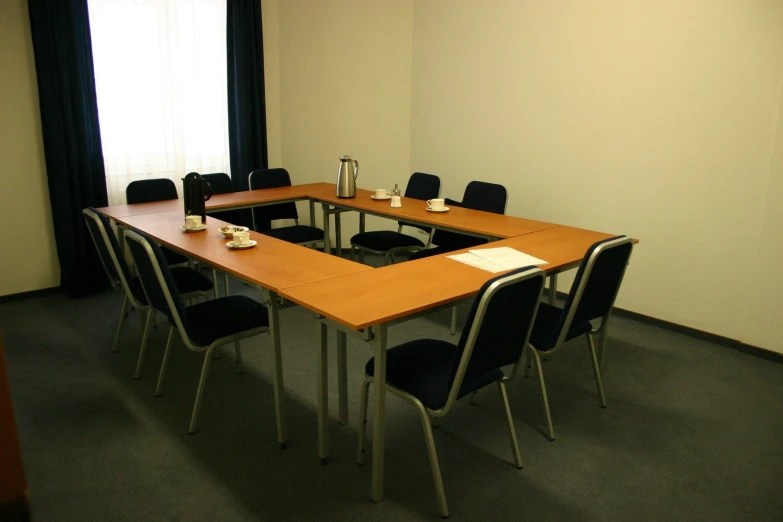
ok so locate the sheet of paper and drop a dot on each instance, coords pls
(478, 262)
(507, 257)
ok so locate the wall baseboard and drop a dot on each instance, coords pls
(749, 349)
(27, 295)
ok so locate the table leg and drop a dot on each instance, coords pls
(342, 376)
(337, 235)
(226, 285)
(323, 394)
(552, 288)
(379, 413)
(274, 332)
(327, 233)
(312, 212)
(361, 222)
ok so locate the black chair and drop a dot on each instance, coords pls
(433, 374)
(203, 327)
(592, 296)
(189, 282)
(220, 183)
(479, 195)
(148, 191)
(388, 242)
(264, 216)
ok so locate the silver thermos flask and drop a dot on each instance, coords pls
(346, 177)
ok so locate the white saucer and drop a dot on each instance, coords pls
(199, 228)
(380, 199)
(233, 246)
(444, 209)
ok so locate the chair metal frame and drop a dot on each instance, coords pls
(596, 350)
(296, 220)
(425, 412)
(235, 338)
(125, 286)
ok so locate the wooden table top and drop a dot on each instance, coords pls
(457, 218)
(272, 264)
(249, 198)
(395, 291)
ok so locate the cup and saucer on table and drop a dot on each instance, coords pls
(381, 195)
(193, 224)
(241, 239)
(230, 230)
(437, 205)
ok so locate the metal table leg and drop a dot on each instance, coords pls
(327, 232)
(342, 376)
(323, 394)
(379, 413)
(274, 332)
(552, 288)
(337, 235)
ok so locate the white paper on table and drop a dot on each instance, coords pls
(478, 262)
(507, 257)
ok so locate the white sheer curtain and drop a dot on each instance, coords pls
(160, 75)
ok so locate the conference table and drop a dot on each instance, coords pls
(343, 294)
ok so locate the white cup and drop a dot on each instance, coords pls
(436, 204)
(381, 193)
(241, 238)
(192, 222)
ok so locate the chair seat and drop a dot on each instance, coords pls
(545, 329)
(424, 368)
(211, 320)
(186, 279)
(384, 240)
(428, 252)
(296, 234)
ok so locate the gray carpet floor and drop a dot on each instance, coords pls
(692, 430)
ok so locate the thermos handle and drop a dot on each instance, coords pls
(207, 189)
(356, 170)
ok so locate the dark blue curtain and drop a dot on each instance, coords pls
(71, 135)
(246, 102)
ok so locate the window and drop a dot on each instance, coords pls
(160, 76)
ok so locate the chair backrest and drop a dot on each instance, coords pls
(110, 253)
(479, 195)
(156, 278)
(219, 183)
(148, 190)
(498, 325)
(489, 197)
(421, 186)
(596, 284)
(271, 178)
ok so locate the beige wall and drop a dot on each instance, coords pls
(270, 16)
(652, 119)
(24, 198)
(345, 79)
